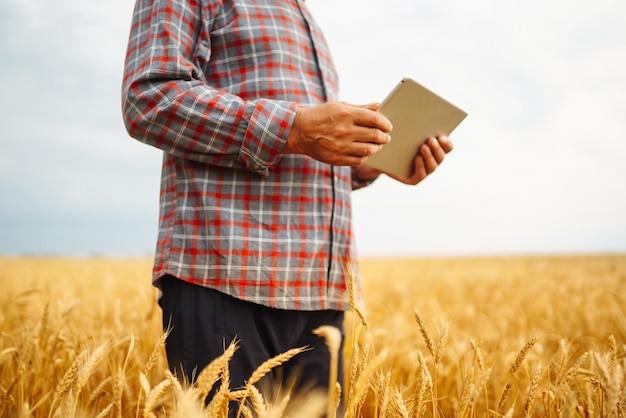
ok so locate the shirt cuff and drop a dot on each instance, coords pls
(266, 136)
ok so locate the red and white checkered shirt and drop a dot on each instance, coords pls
(215, 84)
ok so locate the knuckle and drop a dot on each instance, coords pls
(342, 132)
(379, 137)
(373, 149)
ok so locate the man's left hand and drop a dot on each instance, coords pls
(430, 155)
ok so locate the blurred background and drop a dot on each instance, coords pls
(539, 164)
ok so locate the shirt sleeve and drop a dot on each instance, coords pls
(167, 101)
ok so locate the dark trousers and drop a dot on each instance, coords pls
(204, 321)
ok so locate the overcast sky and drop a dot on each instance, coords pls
(539, 164)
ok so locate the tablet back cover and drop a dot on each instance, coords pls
(416, 114)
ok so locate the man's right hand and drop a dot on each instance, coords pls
(338, 133)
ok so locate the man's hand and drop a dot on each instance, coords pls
(338, 133)
(429, 157)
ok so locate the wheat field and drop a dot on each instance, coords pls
(540, 336)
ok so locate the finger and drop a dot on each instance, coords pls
(348, 160)
(445, 143)
(364, 149)
(430, 163)
(436, 150)
(371, 119)
(419, 172)
(370, 106)
(371, 135)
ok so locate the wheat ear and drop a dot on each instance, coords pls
(398, 405)
(155, 353)
(352, 294)
(87, 370)
(561, 364)
(69, 379)
(154, 395)
(265, 368)
(211, 373)
(428, 339)
(220, 402)
(516, 365)
(276, 361)
(522, 355)
(477, 354)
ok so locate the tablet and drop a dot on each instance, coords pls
(416, 114)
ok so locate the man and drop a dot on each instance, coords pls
(259, 161)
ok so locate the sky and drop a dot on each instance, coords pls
(539, 165)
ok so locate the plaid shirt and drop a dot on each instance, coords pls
(215, 84)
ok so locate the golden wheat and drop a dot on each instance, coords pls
(520, 336)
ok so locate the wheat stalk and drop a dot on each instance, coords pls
(118, 391)
(266, 367)
(145, 385)
(352, 296)
(383, 393)
(504, 396)
(612, 354)
(481, 384)
(615, 389)
(428, 339)
(258, 402)
(212, 372)
(178, 388)
(532, 391)
(69, 378)
(468, 388)
(443, 340)
(398, 405)
(87, 370)
(278, 410)
(276, 361)
(153, 396)
(337, 396)
(426, 384)
(477, 354)
(358, 360)
(155, 353)
(44, 322)
(362, 364)
(106, 411)
(574, 370)
(522, 355)
(363, 382)
(97, 392)
(514, 368)
(332, 338)
(220, 402)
